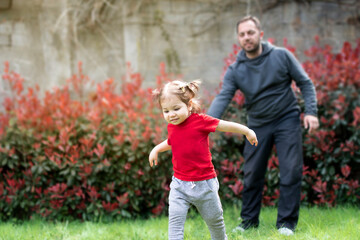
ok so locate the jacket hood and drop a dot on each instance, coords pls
(266, 49)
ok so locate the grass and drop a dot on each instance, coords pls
(315, 223)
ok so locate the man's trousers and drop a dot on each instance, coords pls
(285, 134)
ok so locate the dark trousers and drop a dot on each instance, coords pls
(285, 133)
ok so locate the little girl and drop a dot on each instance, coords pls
(194, 181)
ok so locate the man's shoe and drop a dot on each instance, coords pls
(286, 231)
(238, 229)
(245, 226)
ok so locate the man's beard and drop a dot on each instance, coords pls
(254, 50)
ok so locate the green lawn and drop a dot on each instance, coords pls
(315, 223)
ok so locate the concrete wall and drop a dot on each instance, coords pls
(43, 40)
(32, 49)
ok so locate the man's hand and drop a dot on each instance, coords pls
(311, 123)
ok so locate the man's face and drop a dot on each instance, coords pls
(249, 37)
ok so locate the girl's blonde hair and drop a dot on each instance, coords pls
(186, 92)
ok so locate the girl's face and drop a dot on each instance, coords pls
(174, 110)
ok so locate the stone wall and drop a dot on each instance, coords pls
(43, 40)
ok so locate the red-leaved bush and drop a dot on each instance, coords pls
(75, 154)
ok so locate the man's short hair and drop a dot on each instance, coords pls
(249, 18)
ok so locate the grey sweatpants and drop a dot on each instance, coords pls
(204, 196)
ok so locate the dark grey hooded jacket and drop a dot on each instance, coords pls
(266, 83)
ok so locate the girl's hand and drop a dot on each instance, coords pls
(162, 147)
(153, 157)
(251, 137)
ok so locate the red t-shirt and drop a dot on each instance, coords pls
(190, 147)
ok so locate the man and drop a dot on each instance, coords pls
(264, 74)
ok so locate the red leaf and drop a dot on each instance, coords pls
(158, 209)
(237, 187)
(345, 170)
(127, 166)
(99, 150)
(123, 199)
(356, 114)
(320, 186)
(93, 193)
(1, 188)
(109, 207)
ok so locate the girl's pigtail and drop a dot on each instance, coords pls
(156, 95)
(194, 88)
(194, 85)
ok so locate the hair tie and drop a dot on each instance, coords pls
(183, 88)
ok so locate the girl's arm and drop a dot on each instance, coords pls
(162, 147)
(226, 126)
